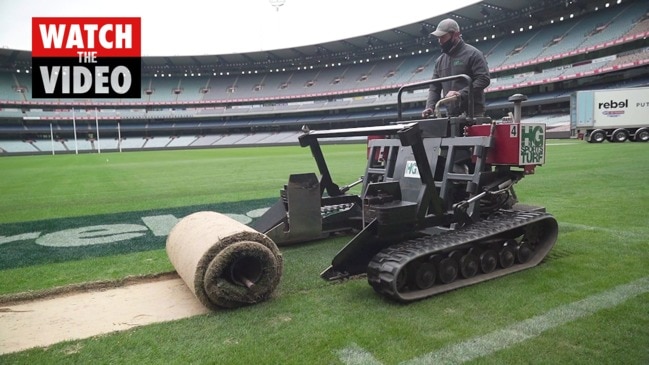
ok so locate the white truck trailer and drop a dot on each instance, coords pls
(615, 114)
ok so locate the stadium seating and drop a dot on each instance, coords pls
(332, 93)
(501, 53)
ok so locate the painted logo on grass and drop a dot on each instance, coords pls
(65, 239)
(86, 57)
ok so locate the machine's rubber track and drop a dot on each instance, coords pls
(507, 242)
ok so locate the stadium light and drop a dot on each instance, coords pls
(276, 3)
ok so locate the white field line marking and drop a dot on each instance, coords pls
(509, 336)
(616, 232)
(355, 355)
(532, 327)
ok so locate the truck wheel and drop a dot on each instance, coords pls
(641, 135)
(597, 136)
(620, 135)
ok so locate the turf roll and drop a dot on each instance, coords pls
(225, 263)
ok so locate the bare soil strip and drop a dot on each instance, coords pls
(78, 313)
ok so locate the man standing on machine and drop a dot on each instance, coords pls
(457, 58)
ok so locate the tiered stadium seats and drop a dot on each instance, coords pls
(332, 91)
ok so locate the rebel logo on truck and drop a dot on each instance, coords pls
(86, 57)
(612, 104)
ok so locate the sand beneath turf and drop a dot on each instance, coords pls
(77, 315)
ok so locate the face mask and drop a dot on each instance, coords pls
(446, 47)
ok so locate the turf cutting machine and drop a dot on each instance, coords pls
(437, 210)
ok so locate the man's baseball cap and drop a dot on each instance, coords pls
(445, 26)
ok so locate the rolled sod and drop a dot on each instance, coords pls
(225, 263)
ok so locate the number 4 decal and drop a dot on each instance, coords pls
(513, 131)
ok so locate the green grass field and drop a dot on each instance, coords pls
(572, 309)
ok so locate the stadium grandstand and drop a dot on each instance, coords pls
(545, 49)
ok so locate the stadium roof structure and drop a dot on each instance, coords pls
(483, 19)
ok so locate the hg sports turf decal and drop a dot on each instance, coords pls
(58, 240)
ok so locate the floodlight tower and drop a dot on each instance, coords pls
(276, 3)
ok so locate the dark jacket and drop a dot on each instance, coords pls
(461, 59)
